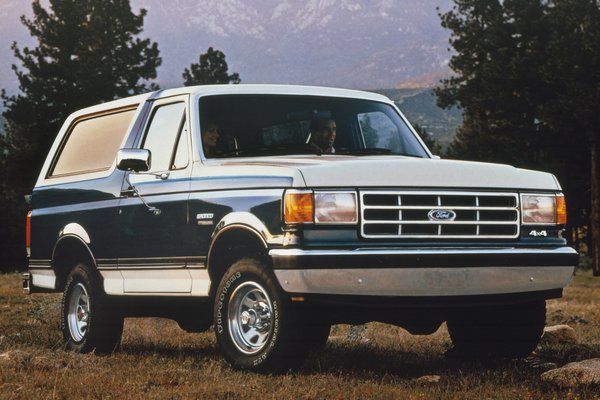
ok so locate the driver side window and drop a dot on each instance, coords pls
(166, 138)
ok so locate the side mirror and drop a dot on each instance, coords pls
(137, 160)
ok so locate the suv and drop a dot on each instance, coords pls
(271, 238)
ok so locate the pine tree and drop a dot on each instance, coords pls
(527, 77)
(572, 105)
(88, 51)
(498, 53)
(210, 69)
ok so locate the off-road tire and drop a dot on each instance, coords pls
(254, 322)
(88, 321)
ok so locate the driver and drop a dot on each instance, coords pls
(322, 134)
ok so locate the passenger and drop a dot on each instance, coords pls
(322, 134)
(210, 137)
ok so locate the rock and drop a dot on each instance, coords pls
(559, 334)
(428, 380)
(583, 373)
(14, 359)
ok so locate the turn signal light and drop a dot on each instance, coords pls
(298, 207)
(561, 210)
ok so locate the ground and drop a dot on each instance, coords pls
(157, 360)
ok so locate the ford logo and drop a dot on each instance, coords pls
(441, 215)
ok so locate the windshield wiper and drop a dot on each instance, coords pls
(365, 152)
(268, 151)
(371, 151)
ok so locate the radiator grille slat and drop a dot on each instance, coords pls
(465, 215)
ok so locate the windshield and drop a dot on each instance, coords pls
(263, 125)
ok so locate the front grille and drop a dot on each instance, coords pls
(442, 215)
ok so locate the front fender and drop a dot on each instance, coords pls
(249, 222)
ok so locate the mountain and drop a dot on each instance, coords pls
(347, 43)
(363, 44)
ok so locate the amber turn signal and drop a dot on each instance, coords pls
(561, 210)
(298, 207)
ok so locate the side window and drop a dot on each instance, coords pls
(163, 138)
(92, 144)
(181, 154)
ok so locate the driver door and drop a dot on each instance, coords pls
(151, 254)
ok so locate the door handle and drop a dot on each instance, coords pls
(128, 193)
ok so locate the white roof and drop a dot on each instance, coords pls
(207, 90)
(204, 90)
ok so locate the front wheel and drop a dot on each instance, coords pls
(254, 323)
(88, 322)
(504, 331)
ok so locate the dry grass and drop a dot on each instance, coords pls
(157, 360)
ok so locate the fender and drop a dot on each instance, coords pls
(245, 221)
(77, 232)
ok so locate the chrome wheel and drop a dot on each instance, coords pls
(78, 312)
(250, 317)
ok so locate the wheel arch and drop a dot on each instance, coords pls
(69, 250)
(229, 244)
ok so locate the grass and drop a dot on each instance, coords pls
(157, 360)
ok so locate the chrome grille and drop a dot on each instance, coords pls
(442, 215)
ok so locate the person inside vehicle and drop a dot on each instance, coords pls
(210, 137)
(322, 134)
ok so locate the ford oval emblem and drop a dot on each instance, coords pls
(441, 215)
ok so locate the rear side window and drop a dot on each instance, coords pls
(92, 143)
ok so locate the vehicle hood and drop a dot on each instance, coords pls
(391, 171)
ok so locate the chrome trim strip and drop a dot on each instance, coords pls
(425, 282)
(174, 266)
(40, 263)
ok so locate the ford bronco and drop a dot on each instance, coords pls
(271, 239)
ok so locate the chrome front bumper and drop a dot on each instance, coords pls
(423, 272)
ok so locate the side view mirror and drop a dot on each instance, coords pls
(137, 160)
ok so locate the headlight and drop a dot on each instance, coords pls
(335, 207)
(321, 207)
(543, 209)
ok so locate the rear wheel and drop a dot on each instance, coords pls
(254, 323)
(88, 322)
(507, 331)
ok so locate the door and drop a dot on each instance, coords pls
(152, 255)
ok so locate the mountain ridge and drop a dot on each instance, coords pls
(344, 43)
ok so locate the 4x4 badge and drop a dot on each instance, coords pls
(441, 215)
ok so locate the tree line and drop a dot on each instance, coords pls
(526, 76)
(87, 52)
